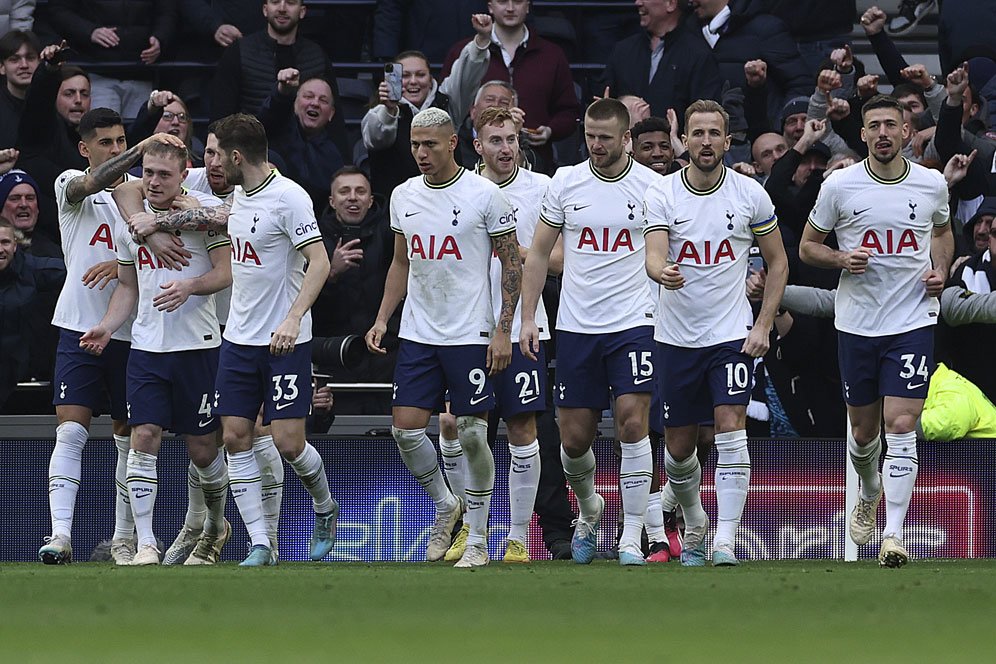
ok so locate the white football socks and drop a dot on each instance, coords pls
(899, 475)
(732, 481)
(523, 482)
(143, 486)
(196, 506)
(454, 465)
(244, 481)
(124, 521)
(685, 479)
(480, 478)
(271, 472)
(64, 470)
(654, 519)
(213, 481)
(311, 469)
(865, 463)
(420, 458)
(580, 474)
(635, 472)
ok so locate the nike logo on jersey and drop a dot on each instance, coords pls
(681, 221)
(899, 474)
(529, 400)
(581, 207)
(641, 381)
(204, 423)
(911, 386)
(410, 214)
(859, 212)
(734, 393)
(477, 400)
(281, 406)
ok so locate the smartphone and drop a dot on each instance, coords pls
(392, 76)
(755, 263)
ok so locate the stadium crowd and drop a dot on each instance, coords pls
(785, 74)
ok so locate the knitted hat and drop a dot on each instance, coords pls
(13, 178)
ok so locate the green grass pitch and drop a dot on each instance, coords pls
(798, 611)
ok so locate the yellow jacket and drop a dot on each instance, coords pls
(955, 408)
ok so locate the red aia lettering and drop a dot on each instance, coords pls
(872, 243)
(588, 238)
(447, 247)
(103, 236)
(689, 253)
(145, 260)
(242, 252)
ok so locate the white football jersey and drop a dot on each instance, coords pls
(88, 238)
(194, 325)
(605, 287)
(448, 229)
(268, 226)
(892, 221)
(196, 180)
(524, 191)
(709, 237)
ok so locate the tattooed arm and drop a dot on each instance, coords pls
(500, 349)
(193, 219)
(102, 176)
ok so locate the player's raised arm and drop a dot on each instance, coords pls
(285, 336)
(194, 219)
(113, 169)
(500, 349)
(533, 278)
(122, 305)
(395, 289)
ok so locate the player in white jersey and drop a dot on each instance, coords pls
(266, 348)
(83, 383)
(521, 389)
(891, 218)
(448, 222)
(605, 322)
(700, 225)
(174, 355)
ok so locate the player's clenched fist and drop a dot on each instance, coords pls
(671, 278)
(855, 262)
(374, 337)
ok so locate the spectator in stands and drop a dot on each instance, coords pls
(17, 15)
(817, 26)
(766, 150)
(387, 126)
(297, 118)
(357, 234)
(23, 278)
(46, 137)
(666, 63)
(166, 112)
(18, 61)
(220, 22)
(539, 72)
(245, 74)
(651, 140)
(975, 232)
(740, 32)
(795, 180)
(793, 119)
(428, 26)
(959, 131)
(19, 205)
(106, 31)
(489, 95)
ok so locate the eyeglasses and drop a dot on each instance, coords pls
(180, 117)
